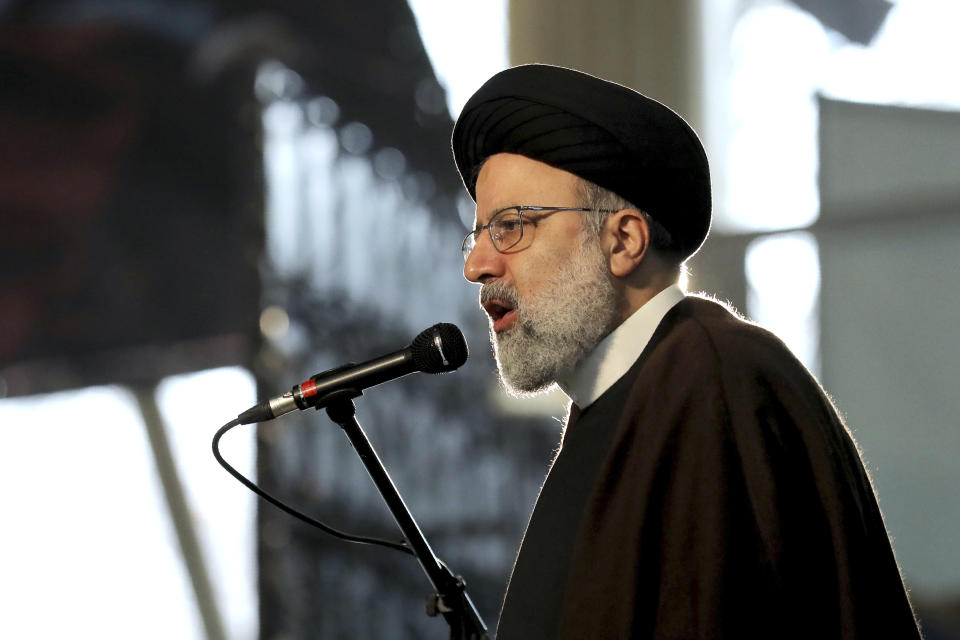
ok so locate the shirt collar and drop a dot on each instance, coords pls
(614, 355)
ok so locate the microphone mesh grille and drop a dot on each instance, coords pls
(440, 348)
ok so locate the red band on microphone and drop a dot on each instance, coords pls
(308, 388)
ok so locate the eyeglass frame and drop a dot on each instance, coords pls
(475, 233)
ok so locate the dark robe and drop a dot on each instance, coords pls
(711, 492)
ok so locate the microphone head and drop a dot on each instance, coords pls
(439, 349)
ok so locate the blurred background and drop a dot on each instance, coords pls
(203, 202)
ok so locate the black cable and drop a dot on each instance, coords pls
(399, 546)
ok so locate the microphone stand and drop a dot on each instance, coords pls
(450, 597)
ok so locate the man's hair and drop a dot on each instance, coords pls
(596, 197)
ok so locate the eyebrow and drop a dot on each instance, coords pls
(477, 225)
(495, 212)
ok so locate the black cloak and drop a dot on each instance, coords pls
(712, 492)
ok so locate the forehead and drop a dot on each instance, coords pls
(508, 179)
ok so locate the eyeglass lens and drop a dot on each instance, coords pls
(505, 229)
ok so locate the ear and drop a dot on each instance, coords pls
(628, 237)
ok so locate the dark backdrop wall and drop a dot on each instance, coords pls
(128, 218)
(168, 172)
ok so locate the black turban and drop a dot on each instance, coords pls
(601, 131)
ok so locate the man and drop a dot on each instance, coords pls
(705, 487)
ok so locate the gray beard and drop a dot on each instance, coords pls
(557, 326)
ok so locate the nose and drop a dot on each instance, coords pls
(484, 262)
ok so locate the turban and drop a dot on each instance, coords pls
(604, 132)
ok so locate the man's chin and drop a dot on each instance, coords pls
(524, 388)
(520, 380)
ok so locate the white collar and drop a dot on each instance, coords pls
(614, 355)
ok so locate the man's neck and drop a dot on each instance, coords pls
(644, 288)
(617, 352)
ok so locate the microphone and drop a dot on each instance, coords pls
(439, 349)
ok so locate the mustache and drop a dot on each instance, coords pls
(496, 290)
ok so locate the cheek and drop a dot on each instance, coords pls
(532, 275)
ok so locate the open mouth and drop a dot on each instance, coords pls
(501, 313)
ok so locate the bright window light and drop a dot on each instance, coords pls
(466, 42)
(771, 159)
(780, 58)
(194, 406)
(88, 548)
(783, 274)
(910, 61)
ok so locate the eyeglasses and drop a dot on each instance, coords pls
(506, 227)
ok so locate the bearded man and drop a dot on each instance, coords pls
(705, 486)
